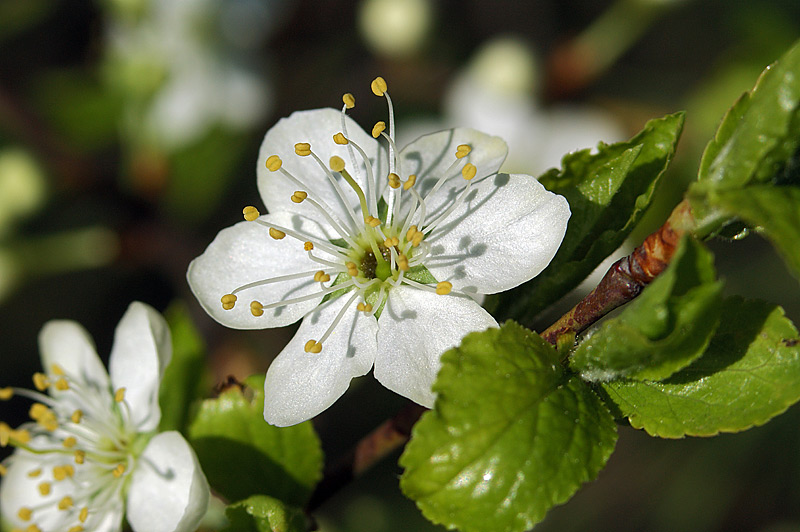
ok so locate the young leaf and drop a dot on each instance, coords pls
(185, 378)
(749, 374)
(776, 210)
(664, 329)
(243, 455)
(260, 513)
(511, 435)
(608, 192)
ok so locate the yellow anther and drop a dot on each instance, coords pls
(313, 346)
(44, 488)
(302, 149)
(394, 180)
(378, 128)
(411, 232)
(25, 513)
(6, 393)
(322, 277)
(118, 471)
(80, 457)
(378, 86)
(70, 442)
(119, 395)
(372, 221)
(59, 473)
(40, 381)
(277, 234)
(76, 528)
(336, 163)
(5, 434)
(364, 307)
(66, 503)
(410, 182)
(32, 528)
(444, 288)
(349, 100)
(57, 370)
(299, 196)
(274, 163)
(339, 138)
(76, 416)
(352, 269)
(469, 171)
(62, 384)
(308, 246)
(391, 241)
(84, 515)
(228, 301)
(256, 309)
(21, 436)
(34, 473)
(3, 470)
(463, 150)
(417, 240)
(250, 213)
(37, 411)
(402, 262)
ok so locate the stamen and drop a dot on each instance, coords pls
(256, 309)
(299, 196)
(44, 489)
(302, 149)
(3, 470)
(308, 245)
(337, 165)
(57, 370)
(277, 234)
(40, 381)
(228, 301)
(25, 513)
(373, 203)
(70, 442)
(372, 221)
(340, 139)
(378, 128)
(118, 471)
(274, 163)
(250, 213)
(61, 384)
(469, 171)
(394, 180)
(6, 393)
(80, 457)
(84, 514)
(322, 277)
(364, 307)
(66, 503)
(278, 279)
(313, 347)
(378, 86)
(119, 395)
(412, 179)
(76, 416)
(349, 100)
(34, 473)
(443, 288)
(337, 319)
(352, 269)
(463, 150)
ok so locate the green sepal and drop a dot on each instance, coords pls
(664, 329)
(608, 192)
(243, 455)
(511, 434)
(261, 513)
(749, 374)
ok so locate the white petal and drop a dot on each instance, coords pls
(505, 234)
(168, 491)
(19, 489)
(431, 156)
(300, 385)
(415, 328)
(142, 349)
(245, 253)
(316, 127)
(68, 345)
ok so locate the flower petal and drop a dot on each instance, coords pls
(168, 491)
(415, 328)
(316, 127)
(245, 253)
(20, 489)
(431, 156)
(506, 233)
(68, 345)
(300, 385)
(142, 349)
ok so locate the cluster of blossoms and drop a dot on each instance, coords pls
(382, 252)
(92, 453)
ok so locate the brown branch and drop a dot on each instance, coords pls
(623, 282)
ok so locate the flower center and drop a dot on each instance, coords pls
(379, 248)
(84, 442)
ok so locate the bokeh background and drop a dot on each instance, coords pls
(129, 131)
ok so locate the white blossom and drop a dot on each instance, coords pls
(382, 252)
(92, 454)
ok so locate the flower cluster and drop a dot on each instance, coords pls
(92, 453)
(382, 252)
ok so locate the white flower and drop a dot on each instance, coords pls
(93, 454)
(405, 255)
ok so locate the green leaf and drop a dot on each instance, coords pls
(243, 455)
(749, 374)
(260, 513)
(775, 210)
(185, 378)
(511, 435)
(756, 138)
(661, 331)
(608, 192)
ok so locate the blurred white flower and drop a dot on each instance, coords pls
(395, 28)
